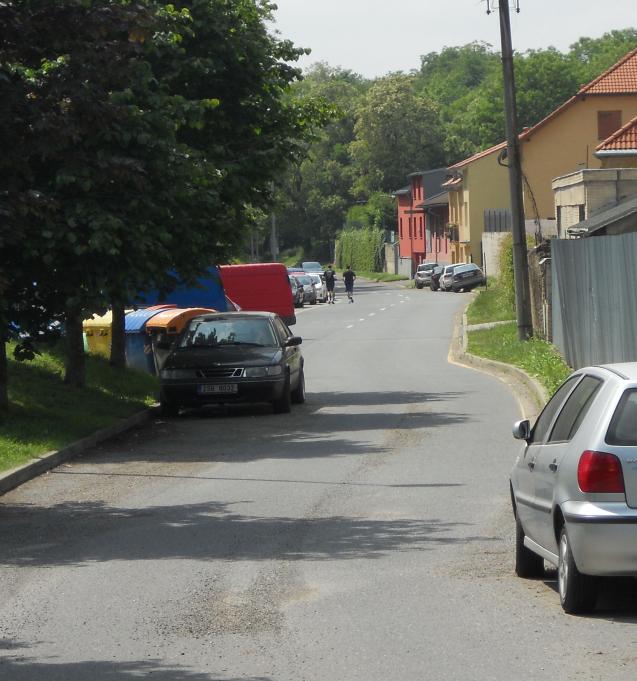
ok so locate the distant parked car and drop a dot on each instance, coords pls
(297, 291)
(434, 277)
(423, 273)
(319, 287)
(467, 277)
(447, 275)
(312, 267)
(574, 484)
(309, 292)
(233, 358)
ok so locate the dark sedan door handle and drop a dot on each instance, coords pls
(553, 466)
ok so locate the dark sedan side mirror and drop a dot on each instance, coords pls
(293, 340)
(522, 430)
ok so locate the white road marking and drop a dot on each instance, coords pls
(351, 326)
(382, 309)
(362, 319)
(393, 305)
(372, 314)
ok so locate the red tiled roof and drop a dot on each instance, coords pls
(625, 139)
(621, 78)
(475, 157)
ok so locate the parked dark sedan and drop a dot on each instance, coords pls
(467, 277)
(297, 291)
(233, 358)
(309, 290)
(434, 278)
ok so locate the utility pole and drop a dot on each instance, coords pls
(520, 258)
(274, 241)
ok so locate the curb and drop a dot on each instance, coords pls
(531, 395)
(41, 464)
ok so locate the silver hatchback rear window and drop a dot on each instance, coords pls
(623, 426)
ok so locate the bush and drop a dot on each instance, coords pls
(361, 248)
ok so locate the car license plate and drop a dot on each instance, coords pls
(218, 389)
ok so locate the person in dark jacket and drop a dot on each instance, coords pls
(330, 279)
(348, 279)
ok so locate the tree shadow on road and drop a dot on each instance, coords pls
(320, 428)
(29, 669)
(86, 532)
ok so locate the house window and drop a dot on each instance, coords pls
(608, 122)
(410, 228)
(421, 228)
(400, 228)
(582, 212)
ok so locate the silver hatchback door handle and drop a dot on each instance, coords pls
(531, 464)
(553, 466)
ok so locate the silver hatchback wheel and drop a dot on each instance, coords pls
(578, 592)
(562, 567)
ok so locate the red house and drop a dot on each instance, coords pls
(423, 214)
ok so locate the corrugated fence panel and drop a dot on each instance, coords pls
(595, 299)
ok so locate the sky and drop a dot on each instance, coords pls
(375, 37)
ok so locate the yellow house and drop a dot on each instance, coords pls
(478, 186)
(563, 142)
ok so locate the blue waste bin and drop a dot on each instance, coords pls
(139, 350)
(208, 293)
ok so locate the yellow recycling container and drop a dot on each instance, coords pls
(98, 333)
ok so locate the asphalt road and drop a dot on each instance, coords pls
(366, 536)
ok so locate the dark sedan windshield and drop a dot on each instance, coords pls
(228, 332)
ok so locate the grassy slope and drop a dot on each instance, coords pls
(46, 414)
(537, 357)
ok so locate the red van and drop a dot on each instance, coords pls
(260, 287)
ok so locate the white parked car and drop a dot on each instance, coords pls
(319, 286)
(574, 484)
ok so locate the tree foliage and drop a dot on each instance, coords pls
(448, 109)
(140, 136)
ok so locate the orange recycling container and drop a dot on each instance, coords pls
(173, 320)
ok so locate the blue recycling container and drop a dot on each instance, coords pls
(139, 351)
(208, 293)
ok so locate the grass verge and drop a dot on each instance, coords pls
(491, 305)
(382, 276)
(46, 414)
(537, 357)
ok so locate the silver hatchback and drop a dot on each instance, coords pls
(574, 484)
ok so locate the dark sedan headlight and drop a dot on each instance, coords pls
(261, 372)
(172, 374)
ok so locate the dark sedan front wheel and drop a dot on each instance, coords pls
(168, 407)
(284, 404)
(298, 394)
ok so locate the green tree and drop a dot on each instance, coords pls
(143, 129)
(315, 194)
(397, 132)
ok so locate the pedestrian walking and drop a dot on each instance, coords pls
(330, 279)
(348, 278)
